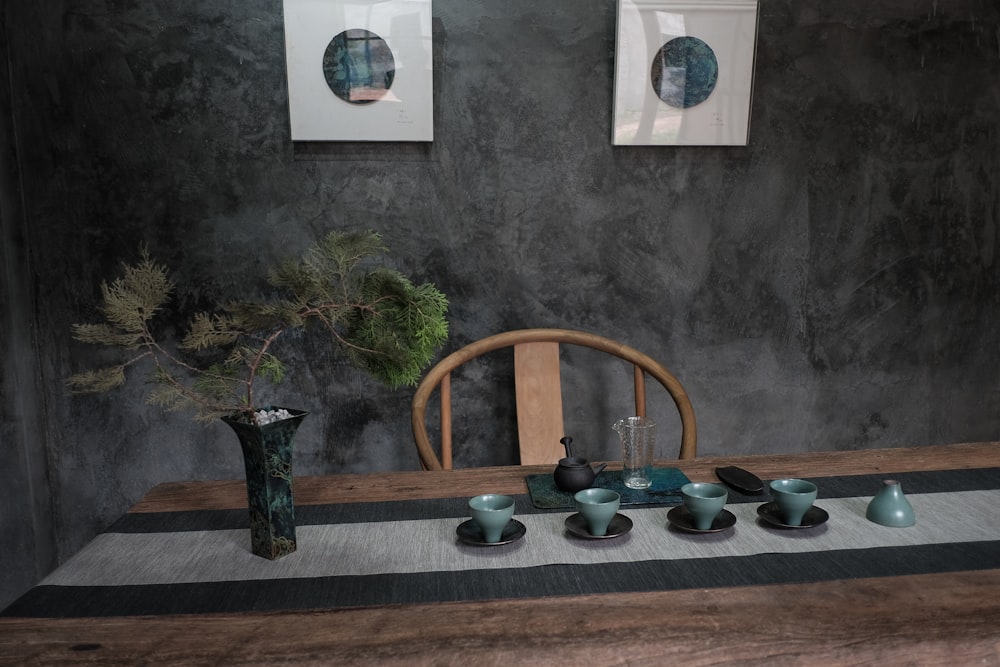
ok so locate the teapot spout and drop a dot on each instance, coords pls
(598, 469)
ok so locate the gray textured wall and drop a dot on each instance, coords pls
(27, 534)
(833, 285)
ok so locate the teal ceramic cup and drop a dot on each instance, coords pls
(704, 502)
(793, 497)
(491, 512)
(597, 507)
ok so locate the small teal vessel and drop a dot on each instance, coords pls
(890, 507)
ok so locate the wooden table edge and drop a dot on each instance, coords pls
(854, 621)
(409, 485)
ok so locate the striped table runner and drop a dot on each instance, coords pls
(407, 552)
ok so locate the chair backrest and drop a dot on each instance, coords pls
(538, 393)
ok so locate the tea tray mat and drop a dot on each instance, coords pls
(545, 494)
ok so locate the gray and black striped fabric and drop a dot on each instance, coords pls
(406, 552)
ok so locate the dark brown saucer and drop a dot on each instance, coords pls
(469, 533)
(681, 519)
(814, 516)
(577, 526)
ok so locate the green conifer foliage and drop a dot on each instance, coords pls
(375, 316)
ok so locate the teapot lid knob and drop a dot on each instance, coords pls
(566, 442)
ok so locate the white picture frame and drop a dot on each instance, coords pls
(654, 40)
(390, 40)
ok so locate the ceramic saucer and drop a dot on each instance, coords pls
(814, 516)
(577, 526)
(681, 519)
(470, 533)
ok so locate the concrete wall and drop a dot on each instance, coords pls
(27, 532)
(833, 285)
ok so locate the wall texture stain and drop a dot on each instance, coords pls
(832, 285)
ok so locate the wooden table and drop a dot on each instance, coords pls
(951, 618)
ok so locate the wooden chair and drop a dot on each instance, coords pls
(538, 393)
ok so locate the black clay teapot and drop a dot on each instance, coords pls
(573, 472)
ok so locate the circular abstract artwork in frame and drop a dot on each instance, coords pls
(359, 66)
(684, 72)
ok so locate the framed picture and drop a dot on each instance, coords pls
(684, 72)
(359, 70)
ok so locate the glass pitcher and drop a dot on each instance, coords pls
(638, 435)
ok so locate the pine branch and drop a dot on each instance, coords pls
(102, 379)
(105, 334)
(132, 300)
(383, 324)
(209, 331)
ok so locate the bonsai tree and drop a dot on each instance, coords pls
(374, 315)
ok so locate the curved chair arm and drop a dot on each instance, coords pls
(642, 362)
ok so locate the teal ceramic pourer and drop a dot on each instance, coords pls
(890, 507)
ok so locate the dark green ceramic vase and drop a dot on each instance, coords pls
(267, 456)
